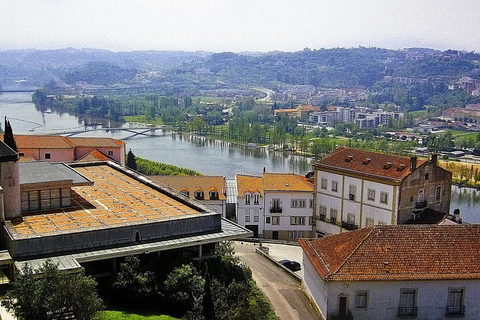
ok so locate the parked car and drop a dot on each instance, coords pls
(291, 265)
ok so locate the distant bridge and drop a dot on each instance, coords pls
(19, 90)
(136, 131)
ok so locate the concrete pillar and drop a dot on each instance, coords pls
(200, 253)
(10, 182)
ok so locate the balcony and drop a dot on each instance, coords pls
(407, 312)
(349, 226)
(275, 210)
(420, 204)
(455, 311)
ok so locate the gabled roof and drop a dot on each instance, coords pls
(397, 253)
(194, 183)
(96, 142)
(285, 182)
(385, 166)
(6, 153)
(42, 142)
(94, 155)
(251, 184)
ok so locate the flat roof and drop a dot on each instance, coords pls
(43, 172)
(116, 199)
(71, 262)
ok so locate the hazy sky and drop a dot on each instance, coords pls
(239, 25)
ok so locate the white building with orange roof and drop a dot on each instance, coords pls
(69, 149)
(395, 272)
(276, 205)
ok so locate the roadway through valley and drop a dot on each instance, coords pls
(284, 293)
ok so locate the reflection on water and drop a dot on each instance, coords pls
(468, 201)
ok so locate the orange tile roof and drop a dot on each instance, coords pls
(115, 199)
(190, 183)
(285, 182)
(43, 142)
(95, 142)
(349, 160)
(94, 155)
(251, 184)
(397, 253)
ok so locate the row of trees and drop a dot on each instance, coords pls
(153, 168)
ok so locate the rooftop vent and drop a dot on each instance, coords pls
(400, 167)
(387, 165)
(366, 161)
(349, 158)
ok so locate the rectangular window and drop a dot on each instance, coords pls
(297, 221)
(371, 195)
(323, 184)
(408, 302)
(334, 186)
(361, 299)
(322, 213)
(255, 215)
(293, 234)
(369, 222)
(47, 155)
(350, 218)
(267, 220)
(276, 220)
(256, 198)
(333, 215)
(66, 197)
(352, 192)
(110, 153)
(310, 203)
(21, 154)
(438, 193)
(298, 203)
(310, 221)
(247, 198)
(455, 305)
(247, 215)
(384, 197)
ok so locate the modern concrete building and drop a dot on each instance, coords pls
(395, 272)
(356, 189)
(90, 214)
(69, 149)
(276, 205)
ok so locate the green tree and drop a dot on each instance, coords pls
(131, 283)
(49, 293)
(131, 162)
(8, 137)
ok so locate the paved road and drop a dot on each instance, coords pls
(289, 302)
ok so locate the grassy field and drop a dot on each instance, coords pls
(121, 315)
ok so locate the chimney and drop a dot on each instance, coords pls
(434, 159)
(263, 169)
(413, 163)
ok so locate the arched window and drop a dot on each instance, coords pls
(184, 192)
(198, 195)
(213, 195)
(438, 193)
(247, 198)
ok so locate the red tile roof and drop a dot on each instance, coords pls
(395, 253)
(96, 142)
(286, 182)
(249, 184)
(193, 183)
(42, 142)
(94, 155)
(349, 160)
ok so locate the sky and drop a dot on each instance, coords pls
(239, 25)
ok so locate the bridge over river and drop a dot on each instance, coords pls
(135, 131)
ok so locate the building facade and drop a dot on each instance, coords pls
(356, 189)
(394, 272)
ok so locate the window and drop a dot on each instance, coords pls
(247, 198)
(371, 195)
(276, 220)
(333, 215)
(45, 199)
(322, 213)
(47, 155)
(21, 154)
(310, 203)
(256, 198)
(247, 215)
(361, 299)
(267, 220)
(369, 222)
(293, 234)
(352, 191)
(438, 193)
(110, 153)
(455, 302)
(427, 173)
(185, 193)
(255, 215)
(350, 218)
(213, 195)
(334, 186)
(198, 195)
(384, 197)
(294, 221)
(310, 221)
(408, 302)
(421, 196)
(323, 184)
(298, 203)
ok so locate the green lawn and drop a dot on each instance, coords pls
(121, 315)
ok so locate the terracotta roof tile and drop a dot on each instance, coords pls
(403, 252)
(286, 182)
(35, 142)
(95, 142)
(94, 155)
(191, 183)
(382, 165)
(246, 183)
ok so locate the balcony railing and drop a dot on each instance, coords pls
(275, 210)
(421, 204)
(455, 311)
(407, 312)
(321, 217)
(349, 226)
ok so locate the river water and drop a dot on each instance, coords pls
(208, 156)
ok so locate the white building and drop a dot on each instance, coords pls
(356, 189)
(391, 272)
(276, 205)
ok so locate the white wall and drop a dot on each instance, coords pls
(314, 286)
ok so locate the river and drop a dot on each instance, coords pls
(201, 154)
